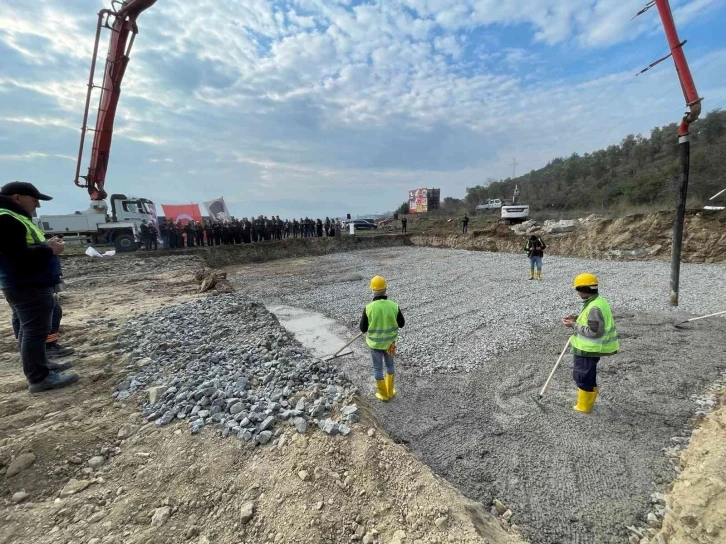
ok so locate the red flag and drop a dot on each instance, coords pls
(182, 212)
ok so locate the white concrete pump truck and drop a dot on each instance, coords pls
(96, 225)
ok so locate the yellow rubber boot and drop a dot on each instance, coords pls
(389, 386)
(539, 274)
(382, 393)
(531, 274)
(585, 400)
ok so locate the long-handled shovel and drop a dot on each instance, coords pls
(678, 325)
(334, 355)
(544, 387)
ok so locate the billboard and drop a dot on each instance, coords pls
(423, 200)
(418, 201)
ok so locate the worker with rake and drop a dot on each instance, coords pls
(594, 337)
(381, 320)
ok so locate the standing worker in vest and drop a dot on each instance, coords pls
(594, 337)
(535, 251)
(381, 320)
(30, 272)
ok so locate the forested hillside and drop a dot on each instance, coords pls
(639, 171)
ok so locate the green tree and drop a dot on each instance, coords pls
(451, 203)
(403, 208)
(613, 153)
(641, 152)
(638, 171)
(656, 139)
(670, 138)
(627, 145)
(714, 125)
(599, 164)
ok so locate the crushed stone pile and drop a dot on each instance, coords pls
(226, 361)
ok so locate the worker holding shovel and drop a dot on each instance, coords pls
(381, 320)
(594, 337)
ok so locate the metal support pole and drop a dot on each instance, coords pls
(684, 145)
(84, 128)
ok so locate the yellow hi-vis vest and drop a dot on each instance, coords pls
(382, 324)
(608, 343)
(33, 235)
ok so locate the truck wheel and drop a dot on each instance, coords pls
(124, 242)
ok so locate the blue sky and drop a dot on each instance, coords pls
(327, 107)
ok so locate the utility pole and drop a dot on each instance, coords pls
(514, 167)
(693, 102)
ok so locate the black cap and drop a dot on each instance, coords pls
(24, 189)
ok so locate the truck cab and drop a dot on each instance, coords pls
(95, 225)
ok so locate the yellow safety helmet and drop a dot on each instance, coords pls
(378, 284)
(585, 280)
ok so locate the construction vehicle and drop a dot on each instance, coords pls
(513, 211)
(490, 204)
(95, 225)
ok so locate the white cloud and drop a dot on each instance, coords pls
(39, 122)
(34, 155)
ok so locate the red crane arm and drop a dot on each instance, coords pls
(123, 31)
(679, 59)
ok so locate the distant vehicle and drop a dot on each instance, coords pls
(363, 224)
(490, 204)
(514, 212)
(95, 226)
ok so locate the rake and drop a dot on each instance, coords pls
(554, 368)
(338, 354)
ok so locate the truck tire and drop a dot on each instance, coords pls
(124, 242)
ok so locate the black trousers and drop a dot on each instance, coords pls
(33, 307)
(54, 326)
(584, 372)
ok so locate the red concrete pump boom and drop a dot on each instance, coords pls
(693, 101)
(122, 23)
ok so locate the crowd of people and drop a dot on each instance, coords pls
(237, 231)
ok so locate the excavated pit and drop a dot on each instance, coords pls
(566, 476)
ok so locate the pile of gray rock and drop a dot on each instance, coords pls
(548, 227)
(226, 361)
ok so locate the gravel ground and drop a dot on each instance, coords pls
(479, 342)
(466, 308)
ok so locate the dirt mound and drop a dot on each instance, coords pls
(696, 507)
(634, 237)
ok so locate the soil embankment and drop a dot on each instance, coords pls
(633, 237)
